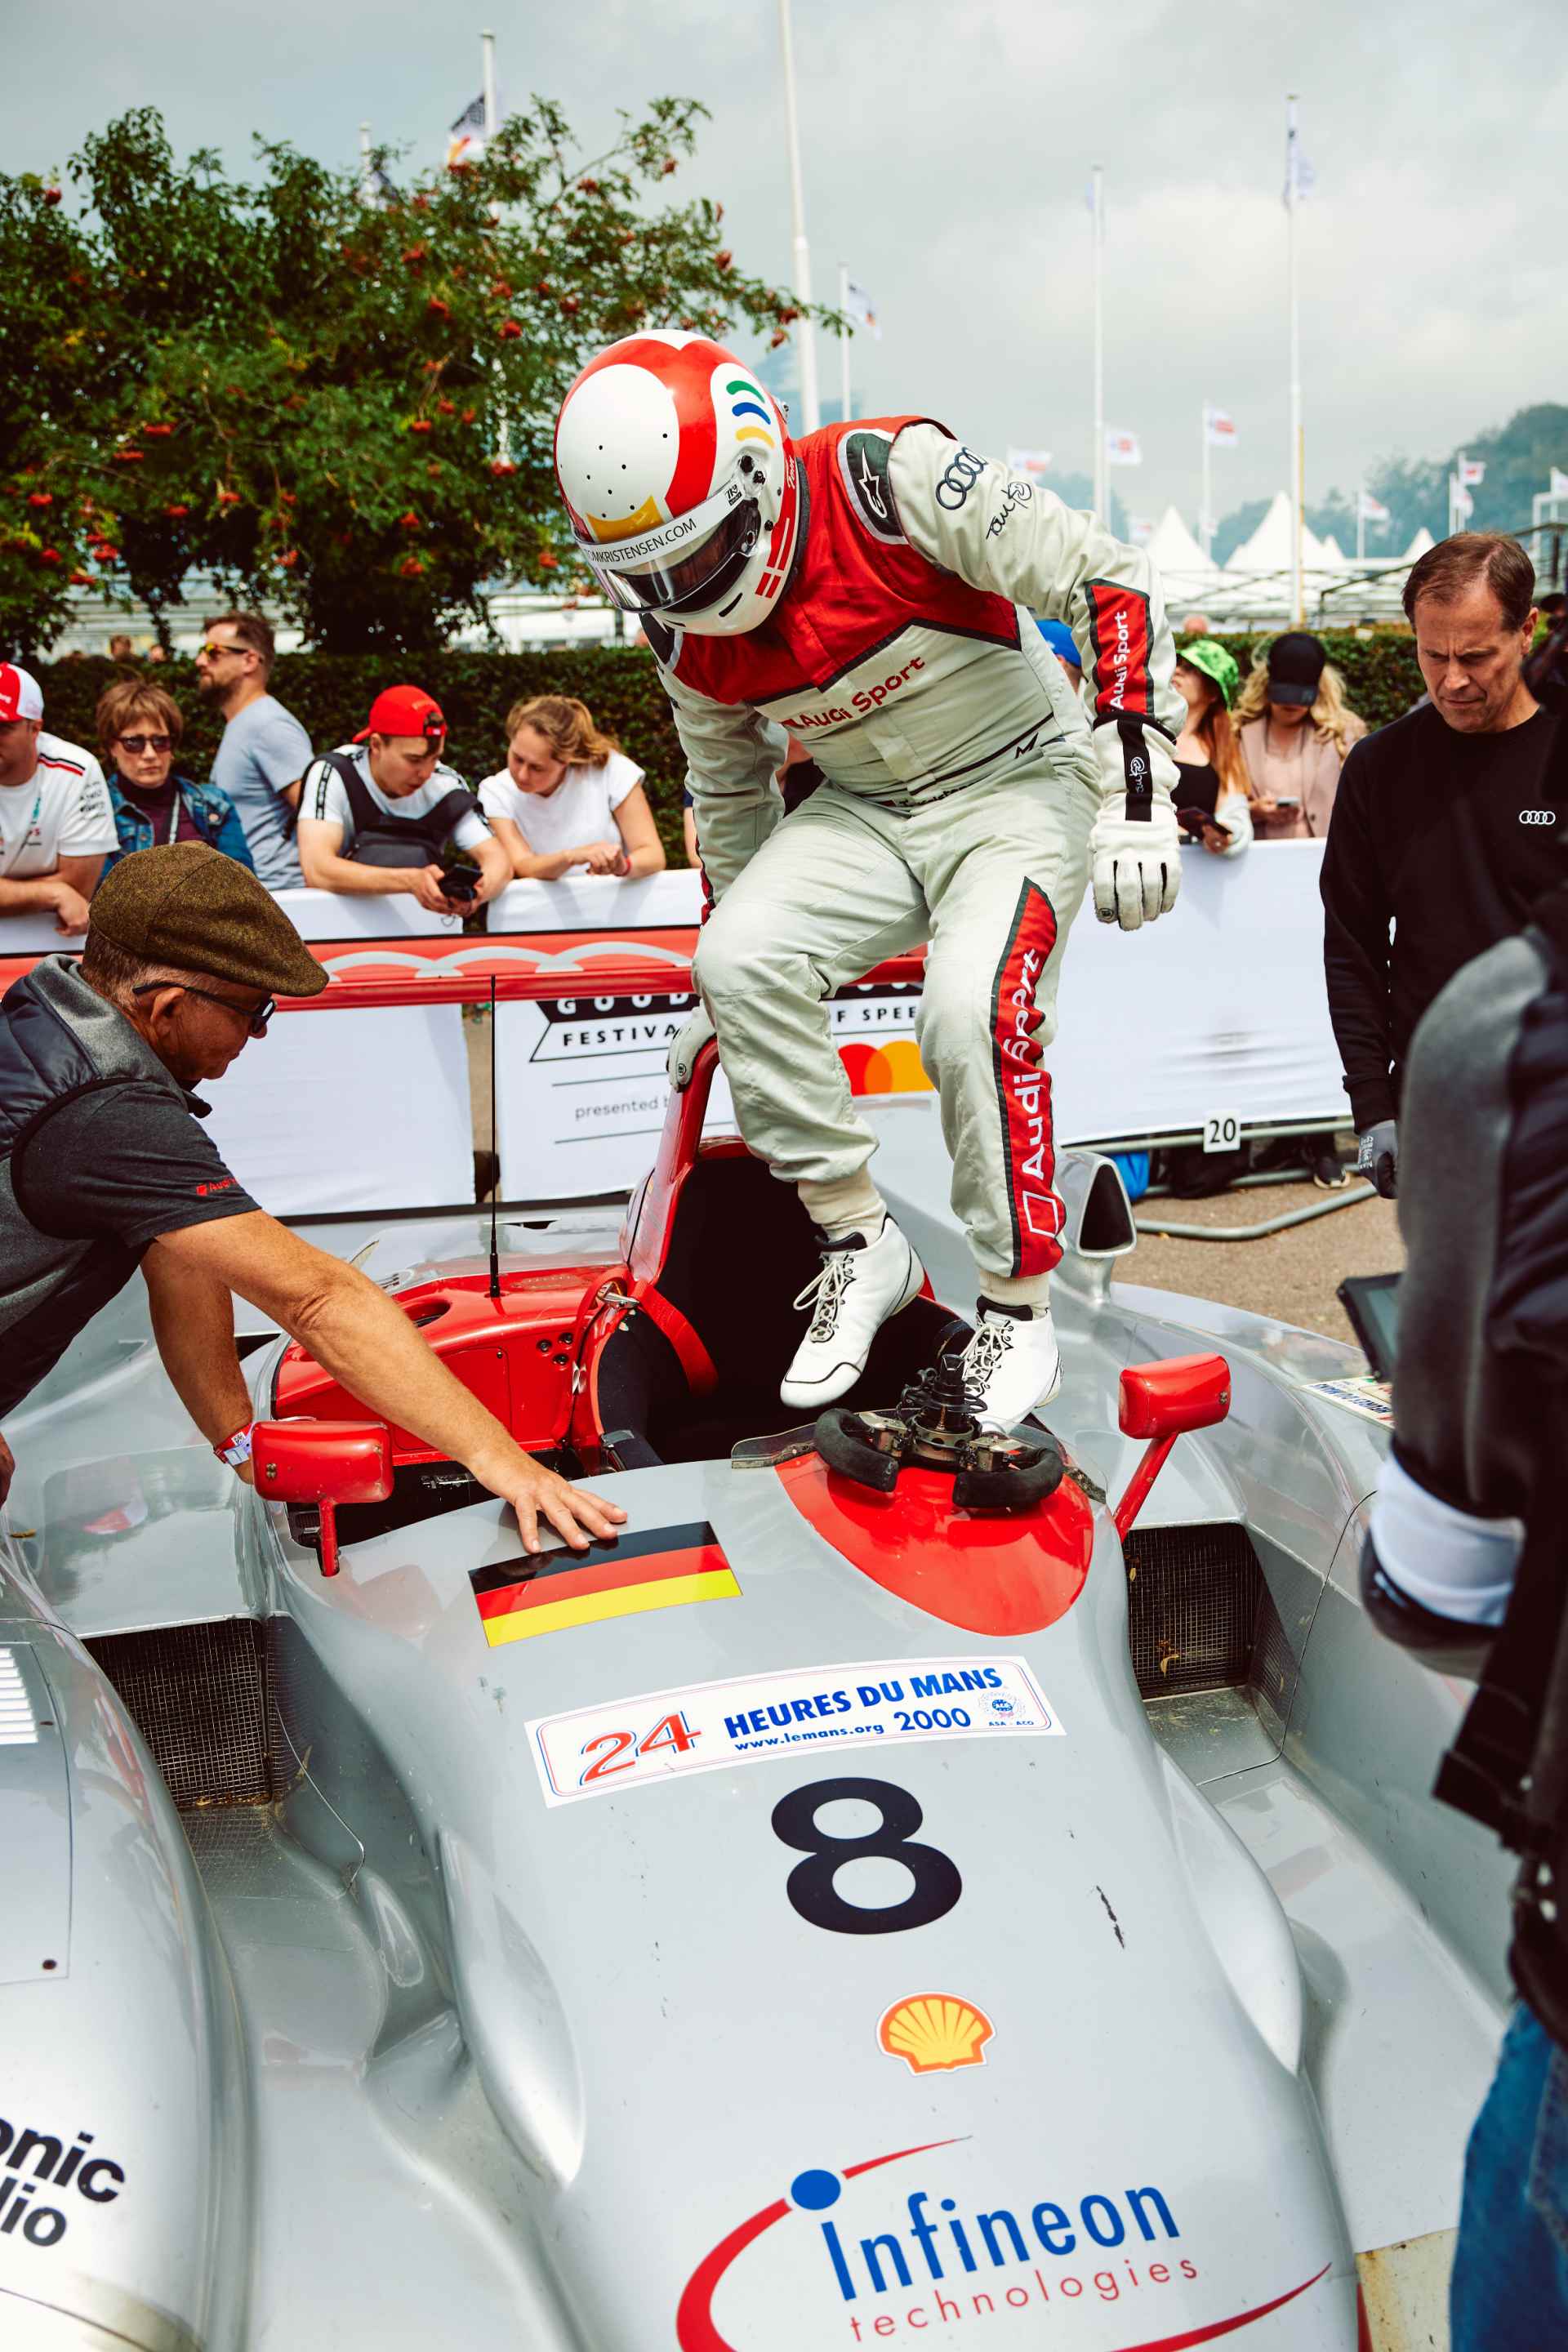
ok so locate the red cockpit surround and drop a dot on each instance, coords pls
(990, 1574)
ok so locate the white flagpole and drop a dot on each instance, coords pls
(805, 338)
(1206, 522)
(1361, 522)
(1096, 182)
(487, 84)
(844, 341)
(1292, 192)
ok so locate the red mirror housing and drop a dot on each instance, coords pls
(1165, 1400)
(322, 1461)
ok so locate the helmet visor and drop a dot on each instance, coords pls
(689, 579)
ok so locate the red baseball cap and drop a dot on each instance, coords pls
(403, 710)
(21, 696)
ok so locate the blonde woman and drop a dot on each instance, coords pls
(1211, 790)
(568, 800)
(1296, 729)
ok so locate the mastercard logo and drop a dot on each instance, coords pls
(892, 1068)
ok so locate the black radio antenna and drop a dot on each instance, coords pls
(495, 1159)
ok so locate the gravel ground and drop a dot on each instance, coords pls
(1291, 1274)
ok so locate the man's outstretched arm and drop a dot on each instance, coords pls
(369, 1346)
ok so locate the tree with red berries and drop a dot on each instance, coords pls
(339, 402)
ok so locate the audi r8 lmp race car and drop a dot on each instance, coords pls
(911, 1887)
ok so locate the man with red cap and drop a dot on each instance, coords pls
(55, 822)
(377, 814)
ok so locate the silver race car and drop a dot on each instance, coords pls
(912, 1887)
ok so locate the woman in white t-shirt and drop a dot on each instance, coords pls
(568, 800)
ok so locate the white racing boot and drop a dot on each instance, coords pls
(861, 1284)
(1012, 1363)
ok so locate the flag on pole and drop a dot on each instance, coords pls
(1472, 472)
(1029, 461)
(466, 144)
(376, 191)
(1219, 428)
(1300, 179)
(1372, 510)
(1121, 448)
(1559, 484)
(1460, 497)
(862, 309)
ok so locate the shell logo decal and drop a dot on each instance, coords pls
(935, 2032)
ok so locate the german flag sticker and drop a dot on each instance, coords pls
(663, 1568)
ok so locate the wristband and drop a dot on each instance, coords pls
(235, 1448)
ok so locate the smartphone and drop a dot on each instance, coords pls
(1199, 821)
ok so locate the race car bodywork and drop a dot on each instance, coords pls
(827, 1916)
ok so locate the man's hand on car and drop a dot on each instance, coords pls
(1135, 864)
(536, 1493)
(1378, 1157)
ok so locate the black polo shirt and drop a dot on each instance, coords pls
(104, 1153)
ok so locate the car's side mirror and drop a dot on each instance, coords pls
(1161, 1402)
(327, 1463)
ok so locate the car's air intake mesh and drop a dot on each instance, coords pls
(197, 1695)
(1193, 1599)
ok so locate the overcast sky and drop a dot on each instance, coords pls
(946, 153)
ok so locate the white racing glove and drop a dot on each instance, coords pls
(684, 1048)
(1135, 865)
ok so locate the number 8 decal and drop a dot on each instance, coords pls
(811, 1884)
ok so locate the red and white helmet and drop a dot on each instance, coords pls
(682, 488)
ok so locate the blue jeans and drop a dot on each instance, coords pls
(1509, 2290)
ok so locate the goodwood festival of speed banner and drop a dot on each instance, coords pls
(1214, 1014)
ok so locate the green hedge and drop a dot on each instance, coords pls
(331, 693)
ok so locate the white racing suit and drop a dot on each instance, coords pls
(963, 777)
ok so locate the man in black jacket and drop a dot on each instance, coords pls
(1443, 824)
(1467, 1560)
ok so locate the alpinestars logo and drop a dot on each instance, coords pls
(929, 2257)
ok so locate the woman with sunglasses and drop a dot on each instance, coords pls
(139, 729)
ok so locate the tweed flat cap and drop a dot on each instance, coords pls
(185, 904)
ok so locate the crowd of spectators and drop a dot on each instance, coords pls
(381, 814)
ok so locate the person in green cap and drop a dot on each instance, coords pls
(1210, 793)
(104, 1168)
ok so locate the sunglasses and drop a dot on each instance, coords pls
(138, 743)
(207, 651)
(256, 1021)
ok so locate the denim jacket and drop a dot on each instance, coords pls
(216, 817)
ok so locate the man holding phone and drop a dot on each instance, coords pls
(377, 814)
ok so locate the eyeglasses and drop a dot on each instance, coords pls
(206, 649)
(256, 1021)
(139, 743)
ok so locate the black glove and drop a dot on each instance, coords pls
(1379, 1157)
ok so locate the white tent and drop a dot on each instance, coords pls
(1333, 555)
(1269, 549)
(1418, 545)
(1173, 552)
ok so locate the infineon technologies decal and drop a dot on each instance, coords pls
(597, 1751)
(658, 1567)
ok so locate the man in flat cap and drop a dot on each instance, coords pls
(104, 1168)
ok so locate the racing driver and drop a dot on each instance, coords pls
(869, 591)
